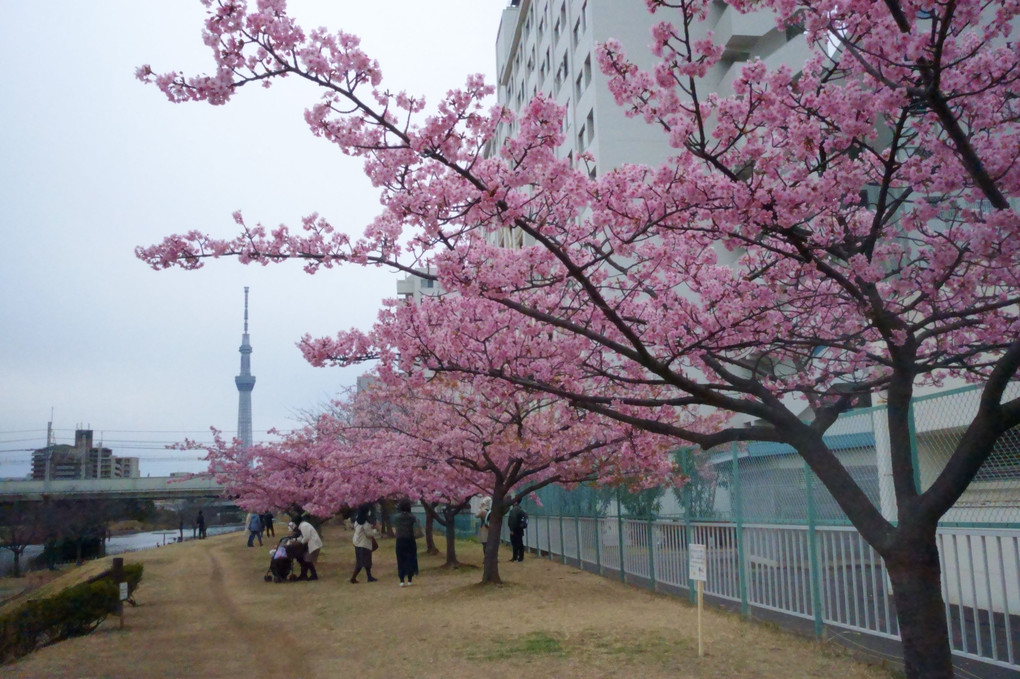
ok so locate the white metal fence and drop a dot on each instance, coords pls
(828, 574)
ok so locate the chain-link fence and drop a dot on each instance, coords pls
(770, 483)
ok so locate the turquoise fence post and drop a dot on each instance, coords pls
(816, 585)
(914, 461)
(577, 533)
(738, 513)
(563, 548)
(688, 469)
(619, 534)
(651, 553)
(548, 538)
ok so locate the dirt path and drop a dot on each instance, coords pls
(204, 611)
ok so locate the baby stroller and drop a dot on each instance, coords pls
(281, 563)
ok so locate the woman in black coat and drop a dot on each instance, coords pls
(404, 525)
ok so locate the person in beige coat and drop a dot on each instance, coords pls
(364, 532)
(309, 537)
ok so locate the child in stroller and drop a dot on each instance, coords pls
(281, 564)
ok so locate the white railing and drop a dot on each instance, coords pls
(829, 575)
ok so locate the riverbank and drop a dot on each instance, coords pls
(205, 611)
(122, 541)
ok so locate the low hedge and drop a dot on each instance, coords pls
(73, 612)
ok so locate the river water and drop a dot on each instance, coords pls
(117, 545)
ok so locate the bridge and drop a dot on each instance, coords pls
(148, 488)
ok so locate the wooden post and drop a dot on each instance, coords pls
(697, 567)
(700, 652)
(118, 577)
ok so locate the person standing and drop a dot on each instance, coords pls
(517, 521)
(267, 524)
(364, 535)
(309, 537)
(483, 513)
(406, 529)
(200, 524)
(254, 529)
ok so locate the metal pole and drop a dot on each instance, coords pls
(745, 609)
(816, 596)
(577, 532)
(651, 553)
(619, 534)
(914, 459)
(563, 547)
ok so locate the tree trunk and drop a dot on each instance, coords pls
(490, 562)
(451, 544)
(17, 562)
(913, 567)
(430, 540)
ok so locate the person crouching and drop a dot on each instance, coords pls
(309, 537)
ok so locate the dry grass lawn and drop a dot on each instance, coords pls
(205, 611)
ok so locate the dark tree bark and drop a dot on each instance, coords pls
(451, 545)
(430, 541)
(913, 567)
(490, 550)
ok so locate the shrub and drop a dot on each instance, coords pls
(73, 612)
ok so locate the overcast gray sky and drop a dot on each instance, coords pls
(94, 163)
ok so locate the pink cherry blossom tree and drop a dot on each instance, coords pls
(835, 229)
(460, 436)
(378, 431)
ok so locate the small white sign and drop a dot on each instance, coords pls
(123, 591)
(696, 563)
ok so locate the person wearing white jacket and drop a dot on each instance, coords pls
(309, 537)
(364, 535)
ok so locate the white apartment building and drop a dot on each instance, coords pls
(412, 288)
(548, 46)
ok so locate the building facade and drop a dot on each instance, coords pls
(83, 460)
(549, 47)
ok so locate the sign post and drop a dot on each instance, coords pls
(696, 567)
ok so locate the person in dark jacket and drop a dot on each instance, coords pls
(200, 524)
(404, 524)
(516, 521)
(267, 524)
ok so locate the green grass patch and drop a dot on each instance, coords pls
(528, 645)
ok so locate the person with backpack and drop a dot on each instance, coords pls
(517, 522)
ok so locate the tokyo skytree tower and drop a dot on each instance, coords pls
(245, 383)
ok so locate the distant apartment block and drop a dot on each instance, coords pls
(81, 461)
